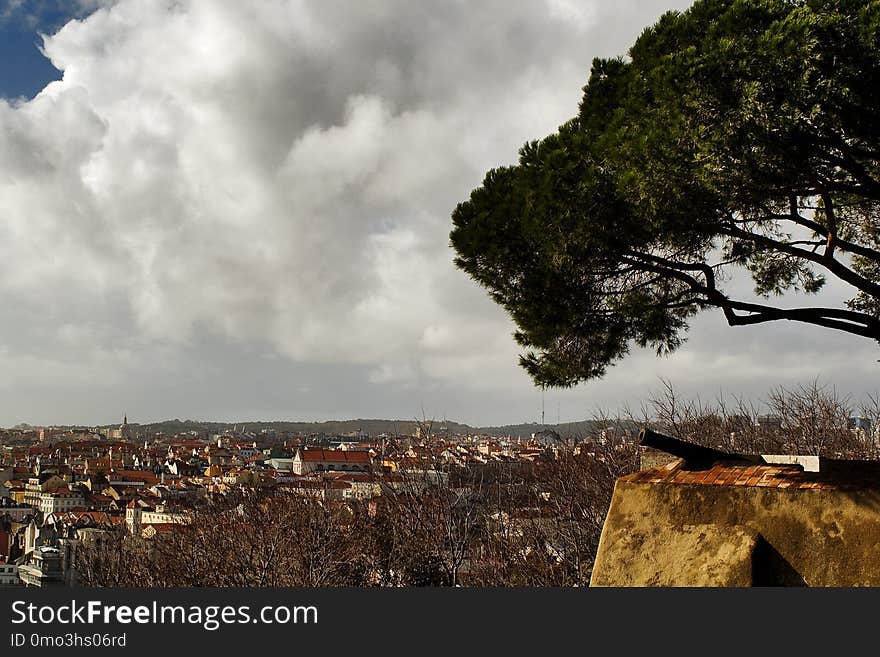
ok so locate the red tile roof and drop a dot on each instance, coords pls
(148, 478)
(334, 456)
(835, 475)
(98, 517)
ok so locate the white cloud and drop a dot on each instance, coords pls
(581, 14)
(275, 170)
(282, 173)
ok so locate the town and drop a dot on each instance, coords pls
(208, 504)
(68, 494)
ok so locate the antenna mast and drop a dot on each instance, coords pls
(542, 405)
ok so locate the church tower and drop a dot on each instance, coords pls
(124, 430)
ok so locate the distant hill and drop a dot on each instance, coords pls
(332, 427)
(372, 427)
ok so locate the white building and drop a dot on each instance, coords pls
(138, 514)
(60, 500)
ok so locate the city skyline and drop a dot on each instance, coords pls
(241, 213)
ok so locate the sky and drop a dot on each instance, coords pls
(237, 211)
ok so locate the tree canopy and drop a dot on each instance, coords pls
(736, 134)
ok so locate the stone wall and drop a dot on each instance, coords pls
(666, 534)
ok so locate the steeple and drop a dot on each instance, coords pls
(125, 419)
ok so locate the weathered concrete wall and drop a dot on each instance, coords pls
(662, 534)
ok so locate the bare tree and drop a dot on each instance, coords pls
(550, 536)
(436, 512)
(809, 419)
(112, 558)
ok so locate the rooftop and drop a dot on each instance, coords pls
(335, 456)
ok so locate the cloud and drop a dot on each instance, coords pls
(279, 171)
(281, 174)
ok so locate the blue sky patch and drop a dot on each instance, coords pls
(24, 71)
